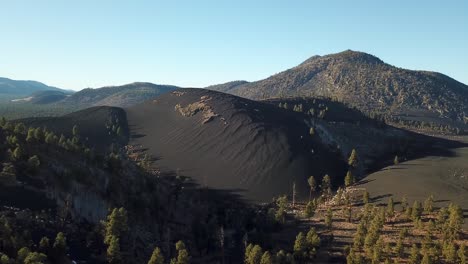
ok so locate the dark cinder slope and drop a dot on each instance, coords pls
(122, 96)
(224, 141)
(364, 81)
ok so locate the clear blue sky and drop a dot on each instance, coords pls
(79, 44)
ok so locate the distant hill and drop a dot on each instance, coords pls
(59, 102)
(366, 82)
(16, 88)
(122, 96)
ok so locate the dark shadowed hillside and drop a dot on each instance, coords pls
(364, 81)
(225, 141)
(98, 127)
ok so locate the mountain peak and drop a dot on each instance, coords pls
(347, 56)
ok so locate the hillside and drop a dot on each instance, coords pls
(122, 96)
(54, 188)
(366, 82)
(258, 148)
(98, 127)
(14, 88)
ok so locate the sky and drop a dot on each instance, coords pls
(90, 43)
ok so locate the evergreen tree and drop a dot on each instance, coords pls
(30, 137)
(113, 250)
(22, 254)
(414, 255)
(34, 163)
(353, 159)
(429, 204)
(365, 197)
(300, 246)
(326, 185)
(253, 255)
(416, 211)
(450, 252)
(329, 218)
(35, 258)
(4, 259)
(349, 179)
(313, 238)
(461, 254)
(18, 153)
(20, 129)
(44, 245)
(404, 203)
(313, 186)
(310, 209)
(390, 207)
(116, 224)
(157, 257)
(266, 258)
(60, 245)
(38, 134)
(426, 259)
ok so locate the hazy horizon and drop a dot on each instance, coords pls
(91, 45)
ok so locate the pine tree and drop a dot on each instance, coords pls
(313, 186)
(416, 211)
(60, 244)
(414, 255)
(390, 207)
(329, 218)
(35, 258)
(254, 255)
(300, 246)
(353, 159)
(157, 257)
(310, 209)
(365, 197)
(429, 204)
(404, 203)
(450, 252)
(113, 250)
(426, 259)
(116, 224)
(18, 153)
(44, 245)
(38, 134)
(266, 258)
(34, 162)
(399, 248)
(326, 185)
(349, 179)
(313, 238)
(461, 254)
(30, 137)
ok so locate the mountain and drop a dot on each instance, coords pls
(364, 81)
(125, 95)
(260, 149)
(14, 88)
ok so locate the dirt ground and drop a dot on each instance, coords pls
(444, 177)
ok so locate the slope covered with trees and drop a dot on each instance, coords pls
(367, 83)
